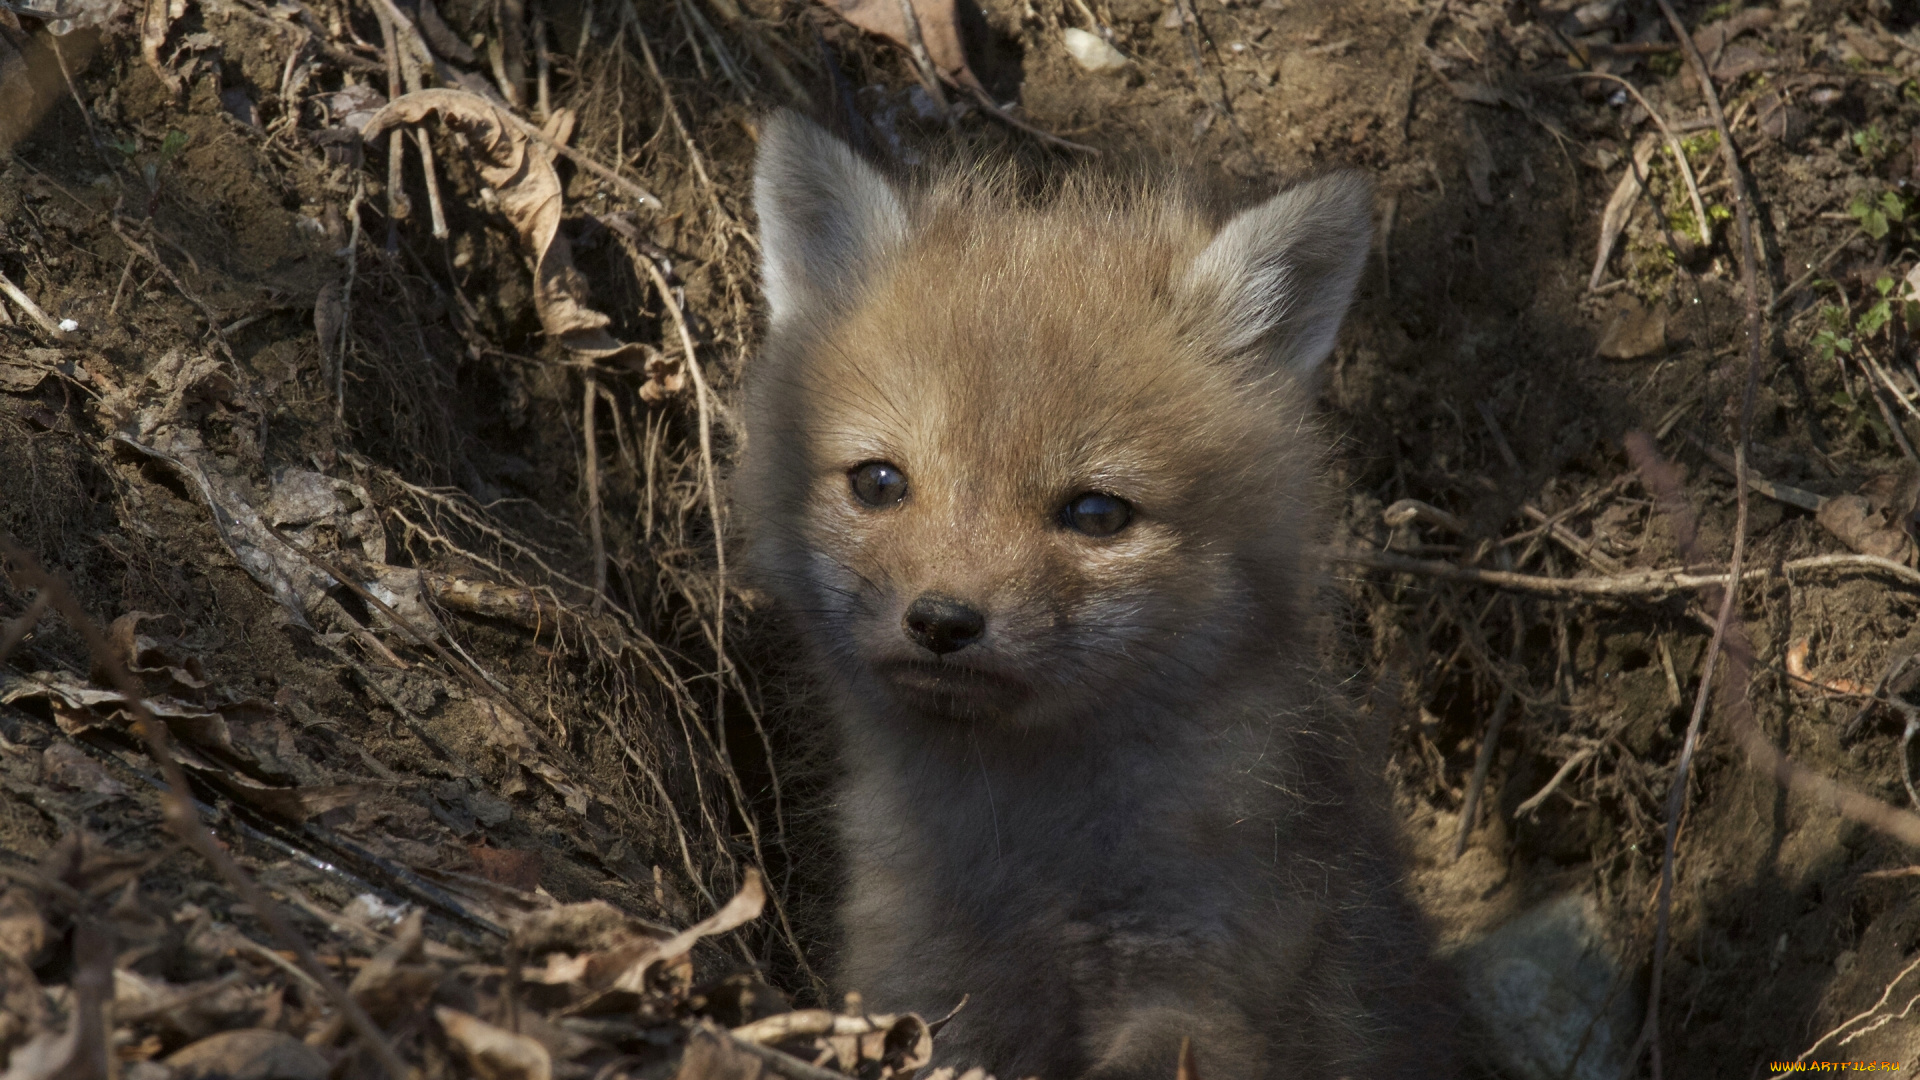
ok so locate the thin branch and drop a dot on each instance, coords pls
(1640, 583)
(1643, 448)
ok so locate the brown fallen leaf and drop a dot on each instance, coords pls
(521, 171)
(1855, 522)
(1479, 164)
(23, 1004)
(1613, 220)
(1633, 330)
(65, 765)
(712, 1055)
(495, 1053)
(515, 869)
(940, 30)
(18, 376)
(745, 907)
(1713, 37)
(248, 1054)
(899, 1045)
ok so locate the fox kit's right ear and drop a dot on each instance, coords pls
(824, 215)
(1276, 280)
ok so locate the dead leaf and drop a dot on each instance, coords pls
(1633, 330)
(23, 930)
(1479, 164)
(1780, 119)
(745, 907)
(330, 311)
(65, 765)
(1858, 524)
(296, 804)
(899, 1045)
(1869, 47)
(592, 926)
(18, 375)
(577, 798)
(23, 1004)
(939, 30)
(516, 869)
(495, 1053)
(303, 500)
(521, 171)
(48, 1056)
(248, 1054)
(1713, 37)
(712, 1055)
(1478, 92)
(1613, 221)
(397, 982)
(165, 432)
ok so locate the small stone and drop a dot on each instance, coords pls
(1092, 52)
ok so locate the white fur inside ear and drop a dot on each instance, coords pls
(1277, 278)
(824, 214)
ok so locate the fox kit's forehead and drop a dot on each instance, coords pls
(1048, 340)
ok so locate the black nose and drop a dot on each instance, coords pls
(943, 624)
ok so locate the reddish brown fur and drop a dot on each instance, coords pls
(1127, 814)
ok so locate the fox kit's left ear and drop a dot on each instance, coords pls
(824, 215)
(1277, 279)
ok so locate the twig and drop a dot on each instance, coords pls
(1813, 271)
(993, 109)
(398, 208)
(591, 473)
(1880, 693)
(412, 52)
(469, 671)
(701, 396)
(1868, 1014)
(185, 821)
(1483, 763)
(86, 115)
(1643, 448)
(635, 191)
(346, 302)
(32, 309)
(147, 253)
(923, 63)
(1646, 583)
(1673, 147)
(1566, 769)
(673, 114)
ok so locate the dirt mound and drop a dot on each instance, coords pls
(392, 464)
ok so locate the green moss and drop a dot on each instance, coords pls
(1650, 266)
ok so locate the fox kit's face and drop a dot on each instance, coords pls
(1025, 466)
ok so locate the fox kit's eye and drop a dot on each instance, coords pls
(1096, 514)
(878, 483)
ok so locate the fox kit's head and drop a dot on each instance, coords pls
(1028, 464)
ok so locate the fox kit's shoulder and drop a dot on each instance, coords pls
(1034, 479)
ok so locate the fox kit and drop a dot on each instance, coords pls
(1035, 479)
